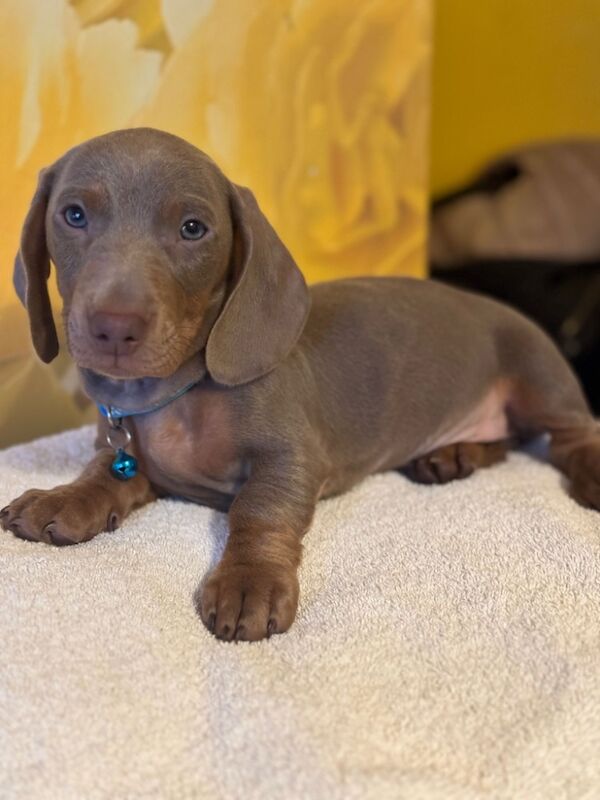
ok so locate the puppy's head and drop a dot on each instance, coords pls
(158, 256)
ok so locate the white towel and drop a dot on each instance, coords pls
(447, 645)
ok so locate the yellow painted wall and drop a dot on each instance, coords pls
(508, 72)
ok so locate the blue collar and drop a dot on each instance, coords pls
(119, 413)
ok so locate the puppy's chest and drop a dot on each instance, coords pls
(191, 445)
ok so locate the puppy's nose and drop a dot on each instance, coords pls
(117, 333)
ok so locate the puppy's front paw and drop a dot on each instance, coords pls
(248, 602)
(63, 515)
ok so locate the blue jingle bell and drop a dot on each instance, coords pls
(125, 466)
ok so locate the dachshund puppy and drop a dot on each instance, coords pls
(242, 389)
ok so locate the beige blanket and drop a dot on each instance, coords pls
(447, 646)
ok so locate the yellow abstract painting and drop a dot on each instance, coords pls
(321, 107)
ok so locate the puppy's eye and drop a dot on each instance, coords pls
(75, 217)
(193, 229)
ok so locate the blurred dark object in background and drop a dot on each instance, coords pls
(563, 298)
(527, 232)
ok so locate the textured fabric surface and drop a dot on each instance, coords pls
(447, 645)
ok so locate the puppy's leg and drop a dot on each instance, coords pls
(253, 591)
(76, 512)
(547, 397)
(455, 461)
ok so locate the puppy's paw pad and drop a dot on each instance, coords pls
(61, 516)
(249, 602)
(441, 466)
(455, 461)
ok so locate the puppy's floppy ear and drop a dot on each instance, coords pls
(32, 269)
(265, 313)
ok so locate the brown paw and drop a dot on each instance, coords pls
(61, 516)
(455, 461)
(248, 602)
(584, 472)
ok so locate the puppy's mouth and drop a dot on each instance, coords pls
(120, 367)
(123, 367)
(143, 362)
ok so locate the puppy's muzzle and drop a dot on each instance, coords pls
(117, 334)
